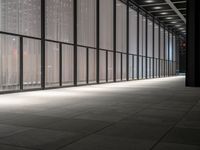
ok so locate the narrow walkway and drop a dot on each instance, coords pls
(156, 114)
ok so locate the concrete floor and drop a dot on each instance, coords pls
(156, 114)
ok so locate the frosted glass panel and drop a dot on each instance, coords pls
(142, 35)
(174, 48)
(67, 64)
(106, 24)
(9, 66)
(121, 26)
(132, 31)
(156, 39)
(21, 17)
(102, 66)
(150, 38)
(118, 66)
(52, 64)
(166, 45)
(86, 14)
(59, 20)
(92, 65)
(110, 66)
(162, 43)
(170, 47)
(130, 67)
(81, 68)
(140, 67)
(32, 63)
(124, 67)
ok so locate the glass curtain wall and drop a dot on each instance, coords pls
(162, 52)
(21, 53)
(142, 46)
(166, 52)
(174, 55)
(86, 26)
(121, 40)
(150, 49)
(59, 28)
(20, 17)
(132, 43)
(106, 39)
(156, 50)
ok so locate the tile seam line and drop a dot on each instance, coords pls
(170, 129)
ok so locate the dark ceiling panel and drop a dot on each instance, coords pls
(163, 11)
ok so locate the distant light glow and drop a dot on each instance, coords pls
(157, 7)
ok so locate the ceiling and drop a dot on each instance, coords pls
(172, 13)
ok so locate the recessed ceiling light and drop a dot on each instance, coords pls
(181, 28)
(169, 18)
(173, 22)
(178, 25)
(149, 1)
(163, 13)
(157, 7)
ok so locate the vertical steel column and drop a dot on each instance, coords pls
(153, 47)
(133, 67)
(106, 66)
(75, 42)
(97, 37)
(159, 53)
(114, 40)
(164, 53)
(21, 63)
(138, 42)
(121, 66)
(87, 65)
(127, 39)
(172, 53)
(146, 52)
(43, 44)
(60, 63)
(168, 53)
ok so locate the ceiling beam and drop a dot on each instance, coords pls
(162, 10)
(176, 10)
(158, 4)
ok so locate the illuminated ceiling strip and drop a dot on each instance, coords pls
(162, 10)
(176, 10)
(155, 4)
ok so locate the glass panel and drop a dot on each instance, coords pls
(166, 45)
(52, 64)
(67, 64)
(92, 66)
(156, 39)
(32, 63)
(142, 36)
(140, 67)
(130, 67)
(110, 66)
(102, 66)
(132, 31)
(81, 65)
(118, 66)
(150, 38)
(162, 43)
(124, 67)
(59, 20)
(135, 67)
(86, 14)
(121, 26)
(106, 24)
(21, 17)
(9, 66)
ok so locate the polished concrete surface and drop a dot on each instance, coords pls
(155, 114)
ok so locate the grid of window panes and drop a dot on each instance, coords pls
(150, 53)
